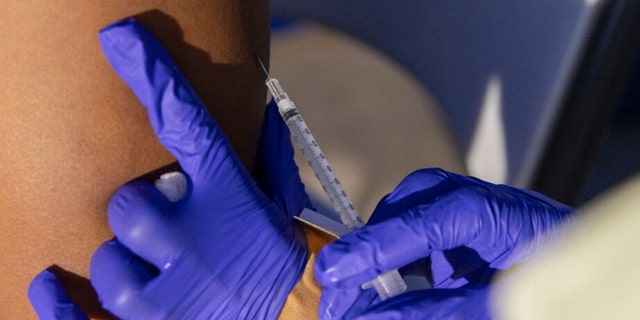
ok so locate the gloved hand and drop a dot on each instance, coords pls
(276, 174)
(454, 230)
(226, 250)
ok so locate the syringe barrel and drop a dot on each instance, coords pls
(388, 284)
(321, 168)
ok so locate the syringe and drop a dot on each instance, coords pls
(388, 284)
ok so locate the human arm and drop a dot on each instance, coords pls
(277, 176)
(71, 132)
(223, 204)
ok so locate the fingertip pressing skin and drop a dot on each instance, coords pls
(139, 219)
(106, 267)
(133, 196)
(118, 276)
(50, 300)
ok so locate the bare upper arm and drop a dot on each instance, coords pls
(71, 132)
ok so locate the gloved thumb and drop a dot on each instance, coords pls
(276, 171)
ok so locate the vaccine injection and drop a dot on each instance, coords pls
(388, 284)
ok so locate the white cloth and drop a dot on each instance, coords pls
(592, 273)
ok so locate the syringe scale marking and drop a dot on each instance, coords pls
(388, 284)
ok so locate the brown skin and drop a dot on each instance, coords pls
(71, 132)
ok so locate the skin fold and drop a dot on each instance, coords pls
(71, 132)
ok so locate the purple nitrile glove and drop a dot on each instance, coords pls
(451, 304)
(50, 301)
(223, 251)
(452, 229)
(276, 174)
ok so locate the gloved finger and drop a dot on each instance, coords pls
(276, 172)
(419, 187)
(456, 267)
(119, 278)
(345, 303)
(177, 115)
(443, 272)
(433, 304)
(138, 216)
(49, 299)
(361, 255)
(452, 268)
